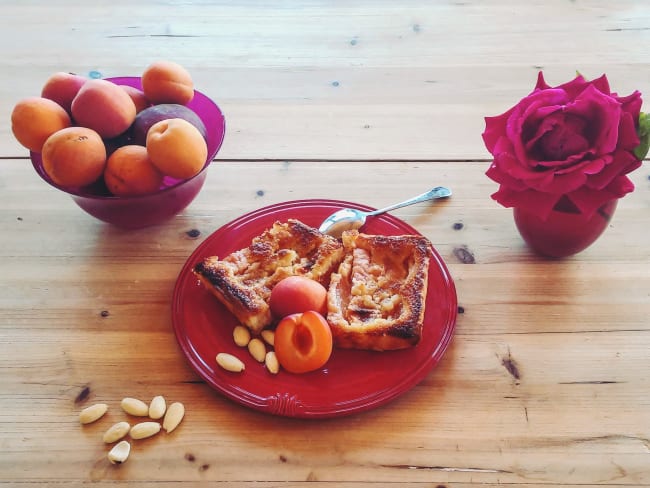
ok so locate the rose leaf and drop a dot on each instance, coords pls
(644, 136)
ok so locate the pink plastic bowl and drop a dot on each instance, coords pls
(173, 196)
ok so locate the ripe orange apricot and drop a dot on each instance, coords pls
(103, 106)
(303, 342)
(167, 82)
(297, 294)
(176, 148)
(34, 119)
(74, 156)
(62, 87)
(129, 172)
(155, 113)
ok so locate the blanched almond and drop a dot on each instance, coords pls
(173, 417)
(116, 432)
(271, 362)
(241, 335)
(135, 407)
(157, 407)
(119, 453)
(257, 349)
(230, 362)
(269, 336)
(92, 413)
(144, 430)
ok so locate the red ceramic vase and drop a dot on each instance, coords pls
(566, 231)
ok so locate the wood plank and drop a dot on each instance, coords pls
(375, 85)
(541, 384)
(544, 383)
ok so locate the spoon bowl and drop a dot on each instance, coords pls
(350, 218)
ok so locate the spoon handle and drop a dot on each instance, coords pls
(434, 194)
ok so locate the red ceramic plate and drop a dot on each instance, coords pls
(352, 381)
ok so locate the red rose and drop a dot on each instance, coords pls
(575, 140)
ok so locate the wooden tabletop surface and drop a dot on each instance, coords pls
(546, 381)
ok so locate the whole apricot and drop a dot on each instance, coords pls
(129, 171)
(297, 294)
(74, 156)
(176, 148)
(103, 106)
(62, 87)
(150, 115)
(141, 102)
(34, 119)
(167, 82)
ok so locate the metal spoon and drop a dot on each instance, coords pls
(350, 218)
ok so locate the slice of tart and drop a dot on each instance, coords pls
(376, 299)
(243, 280)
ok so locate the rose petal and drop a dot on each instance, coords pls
(627, 135)
(594, 166)
(620, 163)
(568, 164)
(531, 200)
(495, 127)
(574, 87)
(565, 183)
(503, 145)
(589, 201)
(603, 112)
(558, 137)
(541, 82)
(506, 170)
(602, 84)
(631, 104)
(527, 114)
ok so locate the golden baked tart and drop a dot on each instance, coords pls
(243, 280)
(377, 298)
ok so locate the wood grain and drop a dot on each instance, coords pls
(545, 382)
(381, 81)
(541, 384)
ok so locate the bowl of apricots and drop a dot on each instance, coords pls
(130, 151)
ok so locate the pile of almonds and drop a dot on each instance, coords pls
(256, 347)
(171, 417)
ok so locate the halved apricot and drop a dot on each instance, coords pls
(303, 342)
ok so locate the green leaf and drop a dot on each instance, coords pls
(644, 136)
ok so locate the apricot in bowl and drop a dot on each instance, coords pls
(173, 194)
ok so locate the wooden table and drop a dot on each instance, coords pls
(546, 379)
